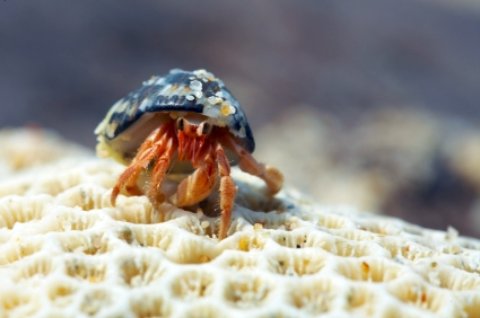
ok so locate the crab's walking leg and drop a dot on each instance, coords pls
(271, 175)
(147, 152)
(160, 169)
(227, 191)
(199, 184)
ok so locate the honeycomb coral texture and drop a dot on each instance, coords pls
(66, 252)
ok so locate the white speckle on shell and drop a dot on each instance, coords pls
(204, 75)
(150, 81)
(190, 97)
(167, 89)
(196, 85)
(214, 100)
(154, 80)
(198, 94)
(213, 112)
(160, 81)
(145, 103)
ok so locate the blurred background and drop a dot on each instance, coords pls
(372, 103)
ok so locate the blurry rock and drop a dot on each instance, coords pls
(464, 157)
(298, 142)
(404, 162)
(359, 165)
(399, 142)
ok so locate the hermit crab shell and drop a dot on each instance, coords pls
(133, 117)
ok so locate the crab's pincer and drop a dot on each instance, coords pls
(188, 127)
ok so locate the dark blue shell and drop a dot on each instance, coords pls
(197, 91)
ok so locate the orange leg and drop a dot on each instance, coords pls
(227, 191)
(199, 184)
(158, 174)
(150, 148)
(271, 175)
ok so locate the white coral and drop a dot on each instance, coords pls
(66, 252)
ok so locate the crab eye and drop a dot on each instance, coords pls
(180, 124)
(206, 128)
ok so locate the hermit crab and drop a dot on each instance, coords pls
(185, 129)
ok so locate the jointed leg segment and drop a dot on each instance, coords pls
(199, 184)
(227, 191)
(154, 192)
(149, 150)
(271, 175)
(210, 162)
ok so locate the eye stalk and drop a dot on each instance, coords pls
(192, 128)
(180, 124)
(205, 128)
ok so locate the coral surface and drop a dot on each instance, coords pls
(66, 252)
